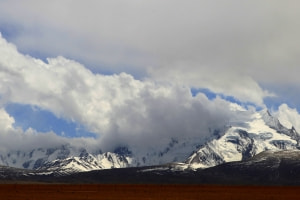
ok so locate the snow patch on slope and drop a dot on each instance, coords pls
(243, 140)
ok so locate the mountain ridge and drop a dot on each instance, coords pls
(238, 141)
(261, 133)
(266, 168)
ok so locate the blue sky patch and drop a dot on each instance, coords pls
(9, 31)
(27, 116)
(212, 95)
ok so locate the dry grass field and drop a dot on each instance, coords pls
(164, 192)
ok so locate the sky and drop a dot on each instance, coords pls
(130, 71)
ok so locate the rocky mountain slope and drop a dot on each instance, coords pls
(240, 140)
(269, 167)
(266, 168)
(64, 158)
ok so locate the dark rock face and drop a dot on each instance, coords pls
(280, 168)
(26, 164)
(123, 151)
(267, 168)
(208, 155)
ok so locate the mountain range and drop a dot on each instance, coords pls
(255, 149)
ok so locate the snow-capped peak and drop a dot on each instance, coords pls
(243, 140)
(270, 121)
(64, 158)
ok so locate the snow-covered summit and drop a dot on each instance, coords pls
(245, 136)
(64, 158)
(241, 141)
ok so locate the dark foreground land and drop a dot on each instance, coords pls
(130, 191)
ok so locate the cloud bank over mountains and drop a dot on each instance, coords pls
(124, 69)
(117, 108)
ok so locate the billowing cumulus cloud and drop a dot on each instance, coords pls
(14, 138)
(204, 44)
(288, 116)
(118, 108)
(154, 51)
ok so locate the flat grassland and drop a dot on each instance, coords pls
(123, 191)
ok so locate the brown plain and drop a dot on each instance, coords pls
(164, 192)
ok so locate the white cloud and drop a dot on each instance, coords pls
(242, 87)
(233, 47)
(153, 119)
(288, 116)
(6, 121)
(14, 138)
(119, 108)
(243, 49)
